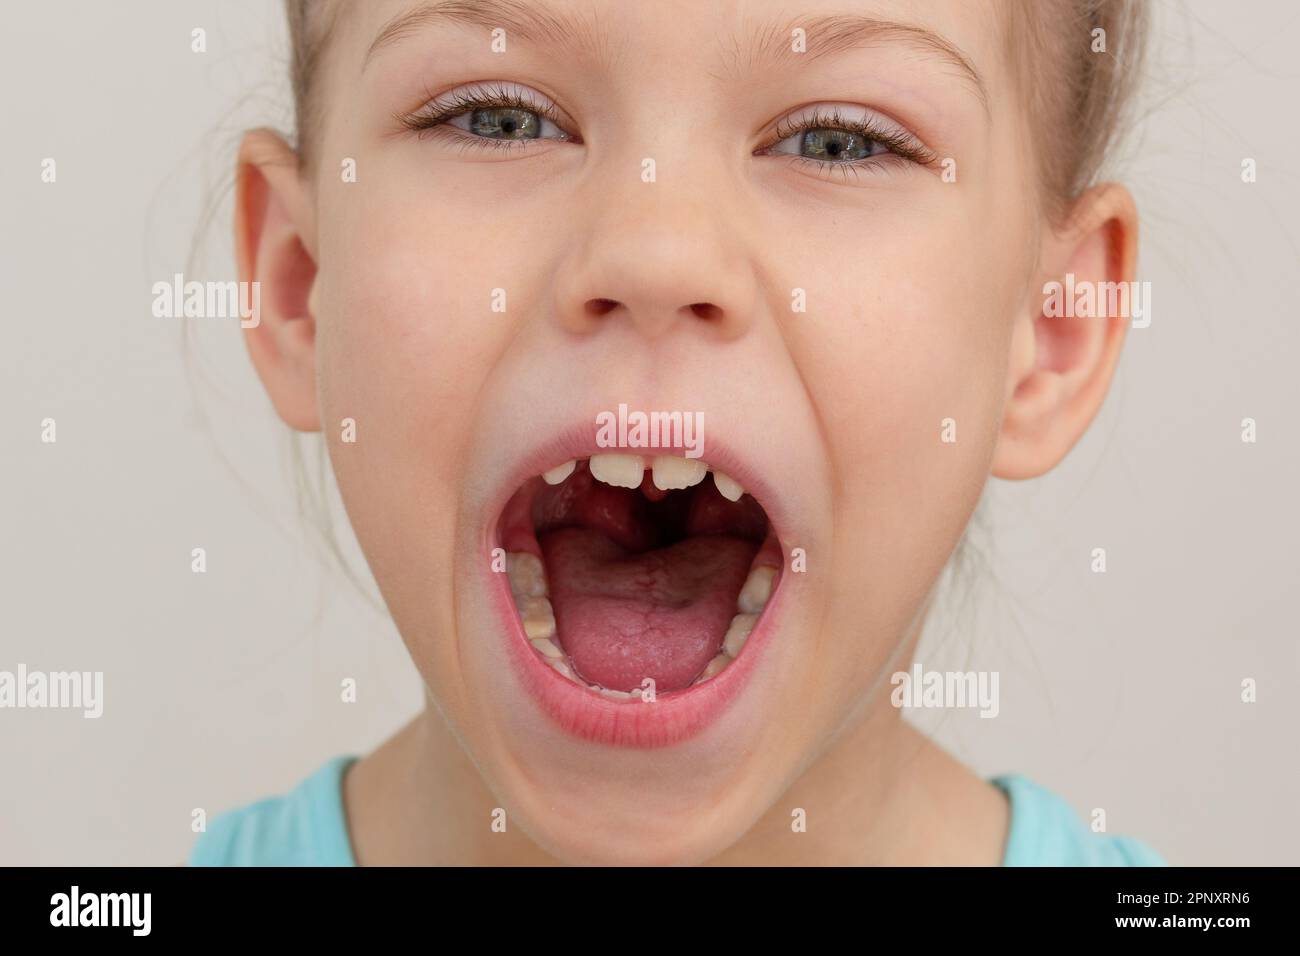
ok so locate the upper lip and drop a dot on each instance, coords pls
(578, 441)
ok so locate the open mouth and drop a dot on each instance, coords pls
(634, 574)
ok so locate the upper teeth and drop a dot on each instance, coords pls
(559, 472)
(678, 473)
(668, 472)
(727, 487)
(621, 471)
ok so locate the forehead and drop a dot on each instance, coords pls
(758, 34)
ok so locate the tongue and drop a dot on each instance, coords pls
(623, 615)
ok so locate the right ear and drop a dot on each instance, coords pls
(275, 247)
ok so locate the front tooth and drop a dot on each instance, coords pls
(757, 589)
(538, 618)
(527, 574)
(559, 473)
(548, 648)
(737, 633)
(728, 488)
(714, 667)
(615, 694)
(674, 474)
(621, 471)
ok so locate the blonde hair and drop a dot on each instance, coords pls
(1093, 52)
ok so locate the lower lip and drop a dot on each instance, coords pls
(672, 717)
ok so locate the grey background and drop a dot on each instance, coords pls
(1120, 690)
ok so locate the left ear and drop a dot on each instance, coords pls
(1062, 362)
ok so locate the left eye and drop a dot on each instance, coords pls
(505, 123)
(846, 137)
(830, 145)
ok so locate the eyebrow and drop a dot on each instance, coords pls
(825, 35)
(836, 33)
(530, 22)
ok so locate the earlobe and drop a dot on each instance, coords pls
(274, 247)
(1067, 343)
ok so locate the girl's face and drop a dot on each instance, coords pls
(823, 246)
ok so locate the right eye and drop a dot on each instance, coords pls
(492, 116)
(505, 122)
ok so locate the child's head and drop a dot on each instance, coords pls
(825, 228)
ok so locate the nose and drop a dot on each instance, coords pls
(662, 258)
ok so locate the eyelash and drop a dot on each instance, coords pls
(431, 120)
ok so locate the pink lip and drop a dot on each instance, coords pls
(672, 717)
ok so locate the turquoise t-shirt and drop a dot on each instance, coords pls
(308, 827)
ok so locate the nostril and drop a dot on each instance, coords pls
(707, 311)
(598, 307)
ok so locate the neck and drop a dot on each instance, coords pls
(881, 794)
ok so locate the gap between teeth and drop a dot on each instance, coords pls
(668, 472)
(528, 586)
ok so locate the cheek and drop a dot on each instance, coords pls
(406, 336)
(918, 336)
(415, 279)
(923, 337)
